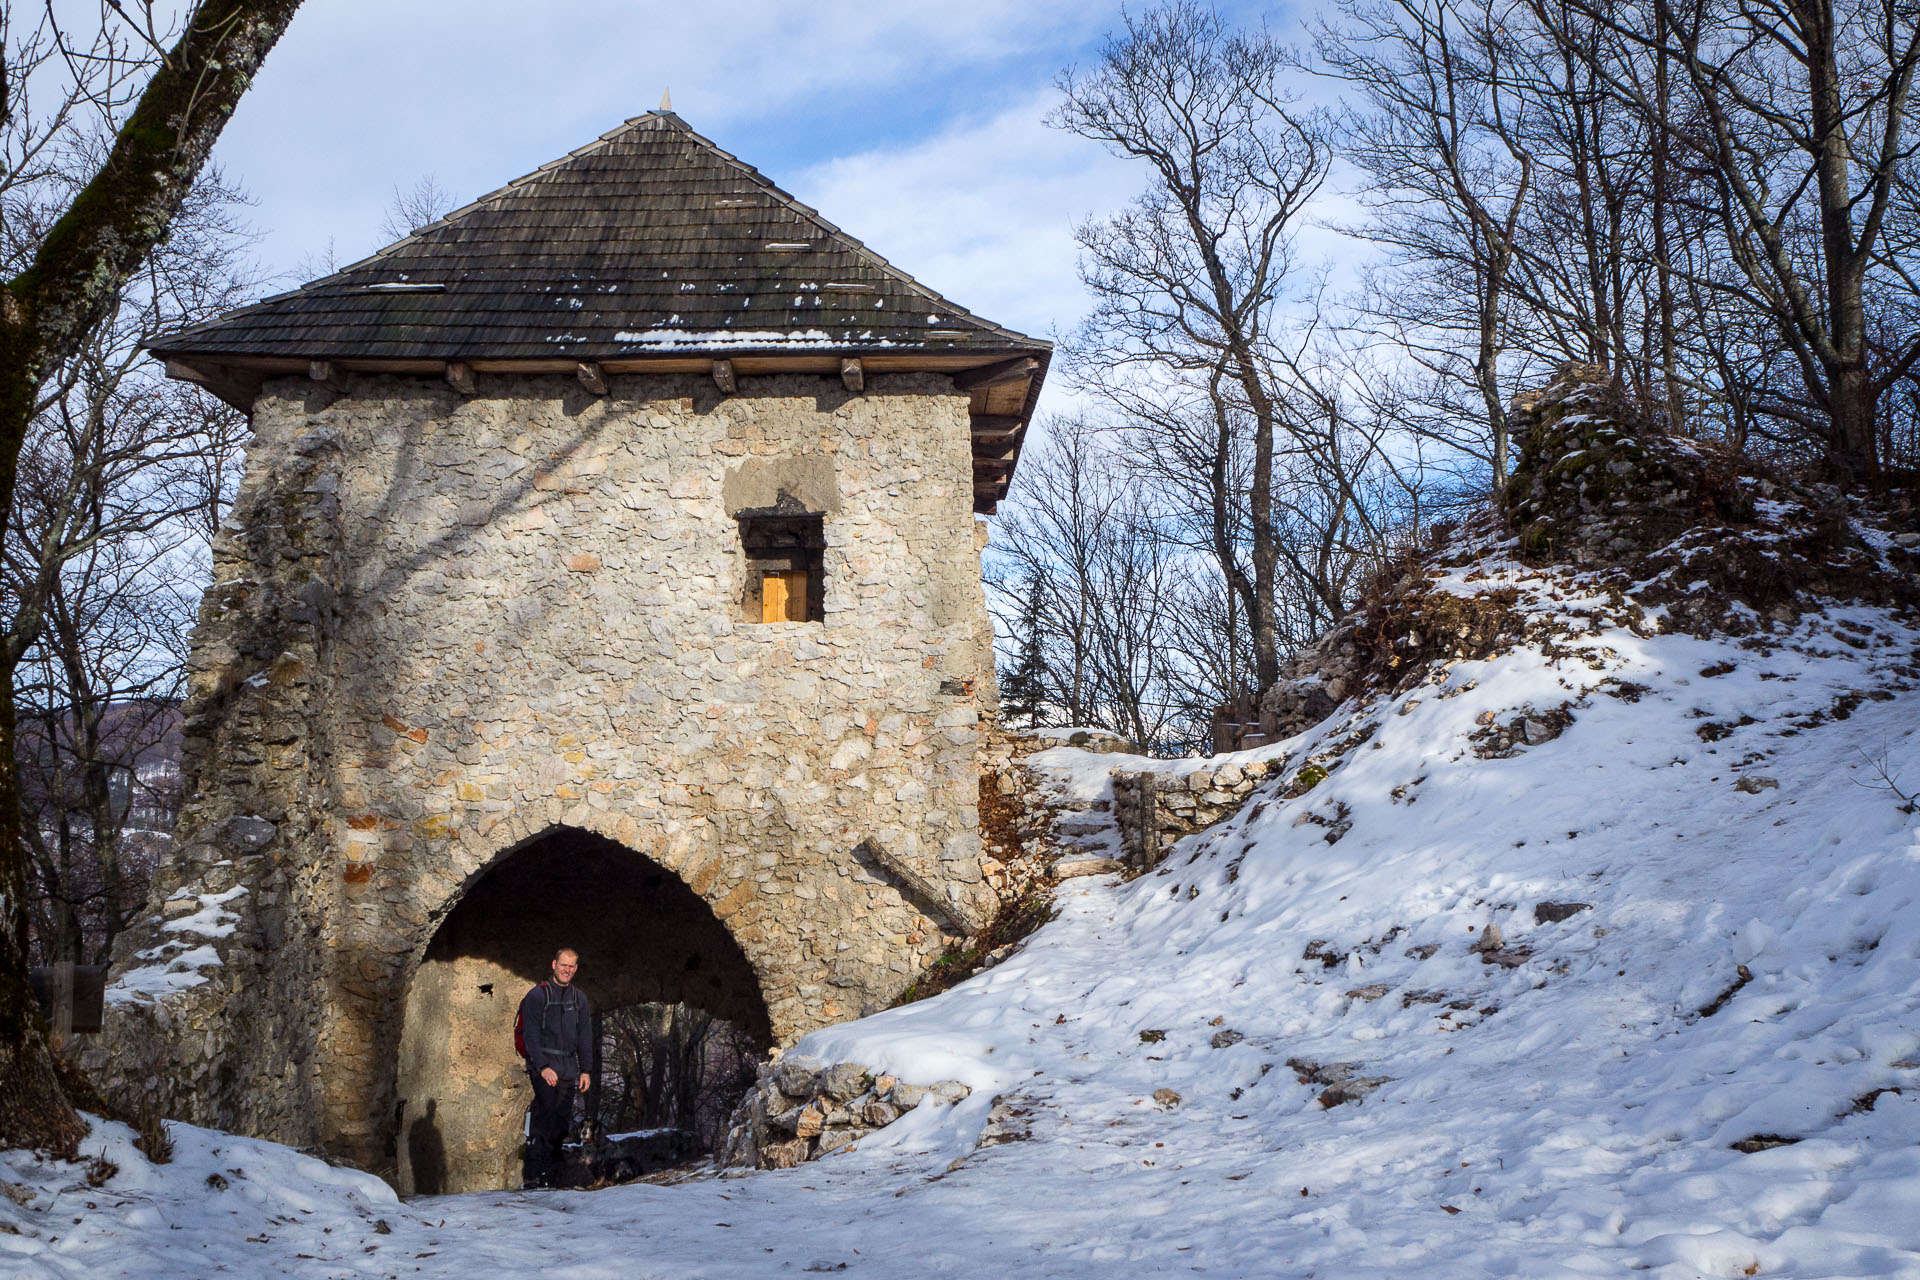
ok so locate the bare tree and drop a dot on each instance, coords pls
(1442, 139)
(422, 204)
(1805, 106)
(673, 1066)
(1091, 578)
(164, 98)
(1049, 548)
(1192, 277)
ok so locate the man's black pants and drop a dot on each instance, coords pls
(547, 1128)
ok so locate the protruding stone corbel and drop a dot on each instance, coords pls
(327, 374)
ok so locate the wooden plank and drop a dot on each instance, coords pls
(590, 377)
(1007, 399)
(723, 376)
(852, 376)
(460, 377)
(1018, 369)
(826, 365)
(995, 426)
(783, 596)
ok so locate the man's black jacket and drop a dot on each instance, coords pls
(557, 1024)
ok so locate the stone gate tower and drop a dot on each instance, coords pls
(604, 573)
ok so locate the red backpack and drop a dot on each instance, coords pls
(520, 1030)
(519, 1021)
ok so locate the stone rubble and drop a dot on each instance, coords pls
(801, 1109)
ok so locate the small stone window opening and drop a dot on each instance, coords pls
(784, 579)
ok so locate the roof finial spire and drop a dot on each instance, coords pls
(666, 100)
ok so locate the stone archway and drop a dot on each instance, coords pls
(643, 936)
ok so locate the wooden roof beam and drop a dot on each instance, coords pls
(723, 376)
(238, 388)
(187, 371)
(460, 376)
(591, 377)
(327, 374)
(994, 375)
(852, 375)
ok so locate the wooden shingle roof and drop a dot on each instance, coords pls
(649, 250)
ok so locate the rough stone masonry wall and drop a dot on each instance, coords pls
(1155, 811)
(441, 626)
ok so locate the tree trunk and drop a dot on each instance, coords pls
(33, 1109)
(45, 314)
(1853, 449)
(1851, 446)
(1663, 268)
(1240, 591)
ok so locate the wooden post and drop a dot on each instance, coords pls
(62, 1003)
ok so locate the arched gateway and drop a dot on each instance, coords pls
(604, 573)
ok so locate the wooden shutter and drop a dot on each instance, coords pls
(783, 596)
(773, 597)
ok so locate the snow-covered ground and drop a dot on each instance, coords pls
(1746, 966)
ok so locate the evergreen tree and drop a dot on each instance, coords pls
(1023, 688)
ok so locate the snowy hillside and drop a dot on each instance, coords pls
(1688, 1047)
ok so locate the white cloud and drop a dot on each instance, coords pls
(983, 212)
(362, 96)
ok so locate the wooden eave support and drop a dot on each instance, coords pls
(186, 371)
(723, 376)
(591, 378)
(852, 375)
(327, 374)
(995, 448)
(992, 466)
(460, 376)
(237, 387)
(995, 375)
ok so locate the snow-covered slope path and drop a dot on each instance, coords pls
(1745, 969)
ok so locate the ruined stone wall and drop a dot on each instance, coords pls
(441, 626)
(1155, 811)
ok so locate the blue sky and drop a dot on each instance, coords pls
(916, 127)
